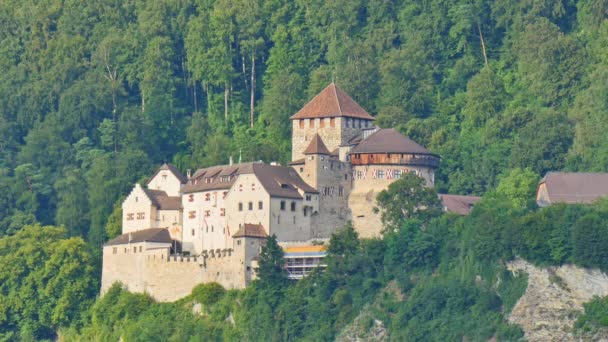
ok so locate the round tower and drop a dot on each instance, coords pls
(378, 160)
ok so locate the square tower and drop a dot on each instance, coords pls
(333, 115)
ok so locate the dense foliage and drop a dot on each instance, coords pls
(46, 282)
(94, 95)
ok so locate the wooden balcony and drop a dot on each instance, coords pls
(395, 159)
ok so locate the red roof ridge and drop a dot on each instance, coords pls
(333, 85)
(332, 102)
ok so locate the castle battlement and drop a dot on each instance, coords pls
(181, 231)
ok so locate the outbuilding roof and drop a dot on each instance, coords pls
(389, 140)
(144, 235)
(251, 230)
(458, 204)
(575, 187)
(332, 102)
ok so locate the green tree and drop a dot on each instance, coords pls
(46, 282)
(271, 270)
(407, 198)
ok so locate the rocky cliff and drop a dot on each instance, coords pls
(554, 298)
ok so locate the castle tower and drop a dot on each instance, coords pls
(377, 161)
(333, 115)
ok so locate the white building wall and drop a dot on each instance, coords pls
(138, 212)
(247, 189)
(166, 181)
(204, 221)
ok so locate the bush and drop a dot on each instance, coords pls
(208, 294)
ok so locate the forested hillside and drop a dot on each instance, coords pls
(95, 94)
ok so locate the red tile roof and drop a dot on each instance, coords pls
(251, 230)
(332, 102)
(316, 146)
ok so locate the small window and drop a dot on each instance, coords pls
(332, 122)
(293, 206)
(282, 205)
(302, 124)
(305, 211)
(140, 248)
(114, 250)
(126, 250)
(212, 229)
(381, 174)
(240, 206)
(136, 199)
(223, 212)
(224, 194)
(322, 123)
(260, 205)
(278, 219)
(397, 174)
(207, 196)
(346, 176)
(308, 197)
(238, 242)
(250, 206)
(192, 214)
(135, 249)
(191, 198)
(164, 177)
(130, 216)
(301, 169)
(311, 123)
(207, 213)
(192, 232)
(294, 220)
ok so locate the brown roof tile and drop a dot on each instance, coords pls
(251, 230)
(297, 162)
(388, 140)
(458, 204)
(316, 146)
(575, 187)
(147, 235)
(163, 202)
(332, 102)
(281, 181)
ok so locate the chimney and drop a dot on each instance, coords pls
(189, 173)
(274, 163)
(231, 161)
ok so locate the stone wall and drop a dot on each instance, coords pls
(343, 130)
(362, 198)
(168, 278)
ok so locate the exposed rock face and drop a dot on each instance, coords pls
(554, 298)
(364, 328)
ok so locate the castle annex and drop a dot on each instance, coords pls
(179, 231)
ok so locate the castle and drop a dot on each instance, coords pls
(179, 231)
